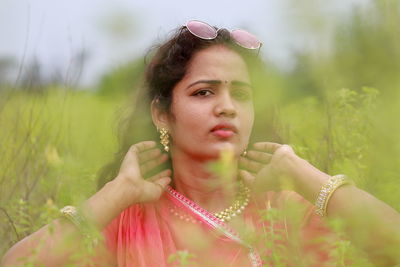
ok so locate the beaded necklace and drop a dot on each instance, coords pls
(240, 203)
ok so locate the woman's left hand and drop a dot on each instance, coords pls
(269, 166)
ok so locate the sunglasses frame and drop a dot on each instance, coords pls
(216, 34)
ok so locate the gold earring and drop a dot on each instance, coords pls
(244, 153)
(164, 138)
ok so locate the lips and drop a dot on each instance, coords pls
(224, 130)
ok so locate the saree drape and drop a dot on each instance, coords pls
(175, 230)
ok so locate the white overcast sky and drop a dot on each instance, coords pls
(54, 30)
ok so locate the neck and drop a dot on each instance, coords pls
(192, 179)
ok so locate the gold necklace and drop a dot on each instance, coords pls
(240, 203)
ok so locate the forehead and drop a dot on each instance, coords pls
(217, 63)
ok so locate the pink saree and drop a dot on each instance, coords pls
(156, 234)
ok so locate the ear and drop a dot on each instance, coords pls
(159, 116)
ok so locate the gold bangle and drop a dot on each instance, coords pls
(81, 223)
(72, 214)
(327, 190)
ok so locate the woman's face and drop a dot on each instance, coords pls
(212, 106)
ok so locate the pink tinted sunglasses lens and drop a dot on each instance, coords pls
(201, 29)
(245, 39)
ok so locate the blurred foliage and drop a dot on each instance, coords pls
(181, 259)
(122, 80)
(337, 108)
(344, 103)
(51, 146)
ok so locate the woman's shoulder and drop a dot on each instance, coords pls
(138, 215)
(134, 215)
(125, 219)
(133, 220)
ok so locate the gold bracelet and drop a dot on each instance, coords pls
(327, 190)
(71, 213)
(85, 228)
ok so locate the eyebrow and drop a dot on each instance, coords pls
(213, 82)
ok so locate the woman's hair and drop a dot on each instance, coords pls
(168, 64)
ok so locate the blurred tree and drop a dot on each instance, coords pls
(32, 79)
(354, 86)
(74, 70)
(6, 66)
(122, 79)
(365, 52)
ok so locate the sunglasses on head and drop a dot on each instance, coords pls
(205, 31)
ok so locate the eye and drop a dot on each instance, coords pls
(203, 92)
(241, 94)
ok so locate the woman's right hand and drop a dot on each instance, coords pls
(139, 161)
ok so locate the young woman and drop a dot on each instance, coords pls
(200, 93)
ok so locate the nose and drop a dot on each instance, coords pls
(225, 105)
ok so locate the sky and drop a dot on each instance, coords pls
(113, 32)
